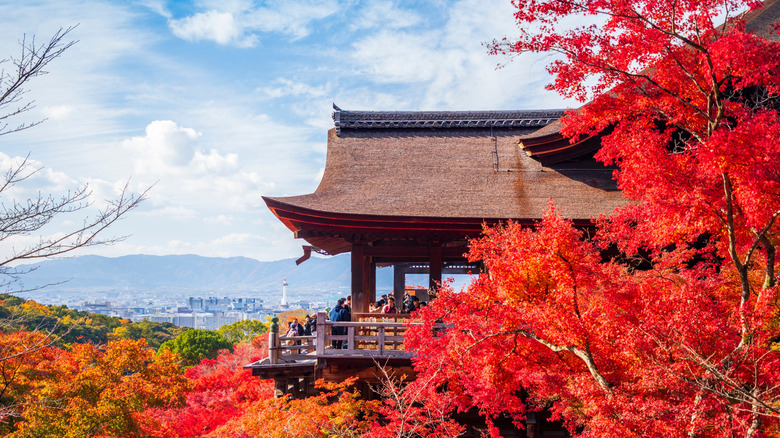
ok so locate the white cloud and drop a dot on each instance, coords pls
(156, 6)
(236, 23)
(34, 180)
(165, 147)
(214, 162)
(284, 87)
(174, 213)
(290, 17)
(58, 112)
(398, 57)
(220, 219)
(220, 27)
(384, 14)
(228, 245)
(449, 65)
(191, 178)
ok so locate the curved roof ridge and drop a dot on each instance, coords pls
(443, 119)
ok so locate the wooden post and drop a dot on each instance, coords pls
(371, 295)
(280, 387)
(274, 343)
(381, 340)
(399, 282)
(351, 339)
(321, 330)
(358, 278)
(531, 430)
(435, 265)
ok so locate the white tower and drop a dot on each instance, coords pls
(284, 292)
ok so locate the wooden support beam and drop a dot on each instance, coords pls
(399, 281)
(363, 279)
(435, 263)
(455, 253)
(371, 295)
(369, 284)
(280, 387)
(358, 280)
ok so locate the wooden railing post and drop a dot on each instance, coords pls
(273, 341)
(351, 338)
(381, 340)
(321, 330)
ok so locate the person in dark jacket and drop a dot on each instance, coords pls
(298, 327)
(336, 315)
(347, 316)
(415, 304)
(311, 325)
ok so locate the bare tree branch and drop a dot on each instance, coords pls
(31, 63)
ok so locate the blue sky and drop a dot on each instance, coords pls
(219, 102)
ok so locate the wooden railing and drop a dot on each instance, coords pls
(370, 335)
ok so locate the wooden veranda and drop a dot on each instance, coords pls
(372, 341)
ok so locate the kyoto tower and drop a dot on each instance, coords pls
(284, 292)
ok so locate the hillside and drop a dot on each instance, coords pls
(193, 273)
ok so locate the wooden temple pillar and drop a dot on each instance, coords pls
(399, 282)
(435, 265)
(370, 296)
(363, 279)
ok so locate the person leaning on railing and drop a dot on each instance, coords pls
(390, 306)
(337, 314)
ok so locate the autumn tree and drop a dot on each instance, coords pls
(678, 335)
(21, 219)
(337, 411)
(92, 391)
(192, 346)
(221, 391)
(243, 331)
(24, 354)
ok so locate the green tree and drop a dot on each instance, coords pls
(241, 332)
(195, 345)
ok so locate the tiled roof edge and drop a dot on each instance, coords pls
(442, 119)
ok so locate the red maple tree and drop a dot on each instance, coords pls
(680, 334)
(221, 390)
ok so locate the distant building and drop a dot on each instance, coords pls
(284, 293)
(214, 304)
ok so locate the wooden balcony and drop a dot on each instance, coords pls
(372, 341)
(369, 341)
(371, 335)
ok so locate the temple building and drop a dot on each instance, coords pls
(403, 188)
(409, 190)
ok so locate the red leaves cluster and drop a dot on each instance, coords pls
(667, 323)
(610, 351)
(337, 411)
(227, 401)
(221, 392)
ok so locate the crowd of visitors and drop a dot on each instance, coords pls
(387, 305)
(342, 312)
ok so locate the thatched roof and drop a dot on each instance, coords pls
(763, 22)
(413, 177)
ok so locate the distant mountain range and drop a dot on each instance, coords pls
(194, 273)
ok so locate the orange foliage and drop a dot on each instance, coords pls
(338, 411)
(94, 391)
(24, 358)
